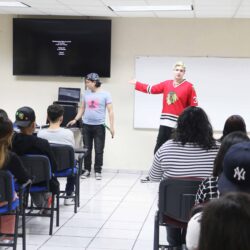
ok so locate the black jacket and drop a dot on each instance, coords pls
(15, 166)
(30, 144)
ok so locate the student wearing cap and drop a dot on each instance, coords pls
(93, 112)
(27, 143)
(178, 94)
(235, 177)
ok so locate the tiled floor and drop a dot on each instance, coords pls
(115, 213)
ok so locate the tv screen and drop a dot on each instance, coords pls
(61, 47)
(69, 94)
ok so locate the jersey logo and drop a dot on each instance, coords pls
(239, 174)
(171, 97)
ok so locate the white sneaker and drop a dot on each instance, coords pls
(98, 176)
(69, 201)
(85, 175)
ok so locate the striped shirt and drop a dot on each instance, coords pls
(174, 160)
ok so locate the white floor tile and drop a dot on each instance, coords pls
(67, 241)
(117, 234)
(113, 224)
(85, 223)
(79, 232)
(114, 244)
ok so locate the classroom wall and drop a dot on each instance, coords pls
(131, 149)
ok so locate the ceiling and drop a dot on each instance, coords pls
(99, 8)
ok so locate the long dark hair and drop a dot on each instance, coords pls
(233, 123)
(227, 142)
(193, 126)
(225, 223)
(6, 130)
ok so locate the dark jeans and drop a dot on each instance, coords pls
(96, 134)
(164, 134)
(176, 237)
(70, 185)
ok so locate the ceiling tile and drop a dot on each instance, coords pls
(124, 2)
(136, 14)
(172, 14)
(169, 2)
(81, 2)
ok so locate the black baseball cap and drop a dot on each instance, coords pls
(24, 117)
(236, 169)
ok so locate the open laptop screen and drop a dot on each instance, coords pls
(69, 94)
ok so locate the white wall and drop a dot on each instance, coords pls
(131, 149)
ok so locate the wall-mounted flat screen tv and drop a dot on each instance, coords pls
(61, 47)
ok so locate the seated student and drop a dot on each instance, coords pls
(9, 161)
(27, 143)
(208, 189)
(190, 153)
(225, 223)
(56, 134)
(233, 123)
(235, 177)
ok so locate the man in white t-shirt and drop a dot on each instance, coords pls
(58, 135)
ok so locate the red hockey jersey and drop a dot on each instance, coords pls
(175, 99)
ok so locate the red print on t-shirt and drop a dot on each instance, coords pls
(93, 104)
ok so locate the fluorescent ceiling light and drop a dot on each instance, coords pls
(13, 4)
(152, 8)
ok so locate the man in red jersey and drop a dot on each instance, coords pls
(178, 94)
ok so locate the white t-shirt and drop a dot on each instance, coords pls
(59, 136)
(193, 232)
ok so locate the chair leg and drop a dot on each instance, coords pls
(156, 231)
(57, 209)
(16, 229)
(51, 215)
(76, 193)
(23, 227)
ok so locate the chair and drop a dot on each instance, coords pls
(176, 199)
(66, 167)
(13, 207)
(39, 167)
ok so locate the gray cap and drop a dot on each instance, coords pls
(92, 77)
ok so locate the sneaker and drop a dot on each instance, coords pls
(69, 201)
(7, 241)
(98, 176)
(85, 175)
(145, 179)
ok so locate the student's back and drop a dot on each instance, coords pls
(30, 144)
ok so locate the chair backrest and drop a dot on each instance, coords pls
(70, 112)
(38, 166)
(6, 187)
(64, 155)
(176, 197)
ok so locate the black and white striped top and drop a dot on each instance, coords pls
(174, 160)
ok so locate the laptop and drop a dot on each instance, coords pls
(70, 95)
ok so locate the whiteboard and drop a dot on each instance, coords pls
(221, 84)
